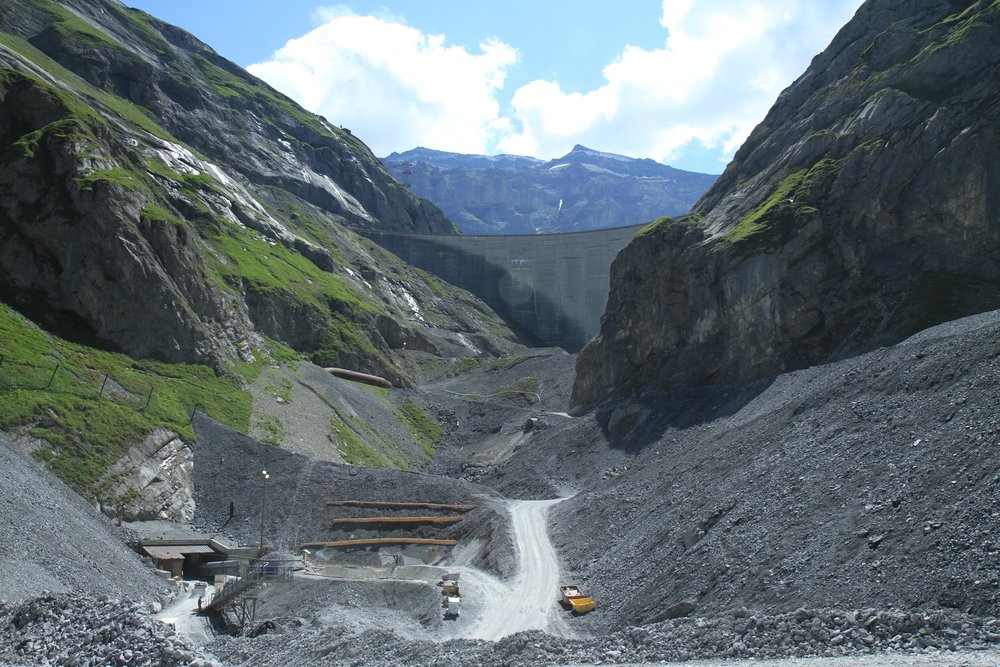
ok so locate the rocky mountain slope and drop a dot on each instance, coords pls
(585, 189)
(846, 509)
(141, 168)
(864, 207)
(157, 203)
(872, 481)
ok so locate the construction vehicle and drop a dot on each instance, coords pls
(452, 606)
(452, 599)
(573, 599)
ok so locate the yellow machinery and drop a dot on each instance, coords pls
(574, 599)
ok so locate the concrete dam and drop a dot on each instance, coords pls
(552, 288)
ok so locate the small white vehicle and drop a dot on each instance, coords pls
(452, 606)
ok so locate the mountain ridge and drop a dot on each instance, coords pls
(582, 190)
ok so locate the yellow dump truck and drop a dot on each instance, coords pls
(574, 599)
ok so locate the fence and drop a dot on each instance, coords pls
(87, 383)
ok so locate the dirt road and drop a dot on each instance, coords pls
(194, 628)
(529, 602)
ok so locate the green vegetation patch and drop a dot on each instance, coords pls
(421, 425)
(665, 223)
(380, 394)
(143, 24)
(58, 391)
(789, 206)
(78, 120)
(431, 281)
(360, 444)
(157, 213)
(503, 363)
(241, 88)
(74, 29)
(270, 430)
(115, 176)
(466, 364)
(756, 221)
(342, 342)
(956, 27)
(354, 449)
(526, 386)
(270, 267)
(276, 352)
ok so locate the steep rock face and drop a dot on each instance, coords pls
(158, 199)
(215, 106)
(153, 480)
(864, 207)
(583, 190)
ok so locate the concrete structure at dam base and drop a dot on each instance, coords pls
(554, 287)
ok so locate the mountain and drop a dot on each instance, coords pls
(159, 203)
(585, 189)
(139, 167)
(447, 161)
(863, 208)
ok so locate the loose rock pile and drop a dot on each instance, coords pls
(806, 632)
(740, 635)
(84, 631)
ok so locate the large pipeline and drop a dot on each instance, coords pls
(355, 376)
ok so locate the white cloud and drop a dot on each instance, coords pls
(720, 68)
(392, 85)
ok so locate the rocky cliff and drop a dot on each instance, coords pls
(157, 199)
(864, 207)
(583, 190)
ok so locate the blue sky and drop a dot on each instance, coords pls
(679, 81)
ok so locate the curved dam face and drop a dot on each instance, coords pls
(553, 286)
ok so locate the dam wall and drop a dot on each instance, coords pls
(553, 287)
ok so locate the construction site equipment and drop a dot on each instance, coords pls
(573, 598)
(401, 505)
(400, 519)
(449, 583)
(239, 594)
(452, 606)
(377, 541)
(452, 600)
(355, 376)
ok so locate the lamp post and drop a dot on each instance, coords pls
(263, 507)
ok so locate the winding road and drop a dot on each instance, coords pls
(529, 601)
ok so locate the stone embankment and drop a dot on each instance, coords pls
(81, 630)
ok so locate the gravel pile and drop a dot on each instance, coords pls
(870, 482)
(83, 631)
(864, 634)
(52, 540)
(227, 475)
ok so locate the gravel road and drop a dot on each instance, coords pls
(529, 603)
(195, 629)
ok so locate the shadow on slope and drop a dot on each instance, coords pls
(633, 424)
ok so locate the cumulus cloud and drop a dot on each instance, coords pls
(392, 85)
(720, 67)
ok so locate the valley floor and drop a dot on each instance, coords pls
(881, 472)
